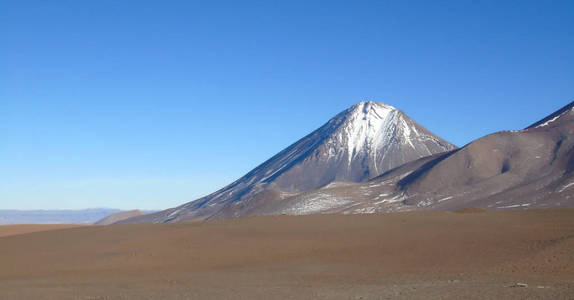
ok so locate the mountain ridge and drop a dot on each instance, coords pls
(360, 143)
(512, 169)
(515, 169)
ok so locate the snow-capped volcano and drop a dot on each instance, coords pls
(360, 143)
(382, 134)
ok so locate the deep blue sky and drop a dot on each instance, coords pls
(150, 104)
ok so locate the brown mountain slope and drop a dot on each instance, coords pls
(512, 169)
(120, 216)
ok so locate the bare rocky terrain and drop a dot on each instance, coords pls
(470, 254)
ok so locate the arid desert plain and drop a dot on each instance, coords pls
(469, 254)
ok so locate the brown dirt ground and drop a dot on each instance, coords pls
(6, 230)
(417, 255)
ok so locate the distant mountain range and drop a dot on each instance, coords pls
(84, 216)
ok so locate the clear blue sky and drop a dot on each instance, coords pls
(151, 104)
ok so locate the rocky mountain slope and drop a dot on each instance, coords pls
(356, 145)
(530, 168)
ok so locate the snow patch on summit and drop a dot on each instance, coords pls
(372, 129)
(366, 127)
